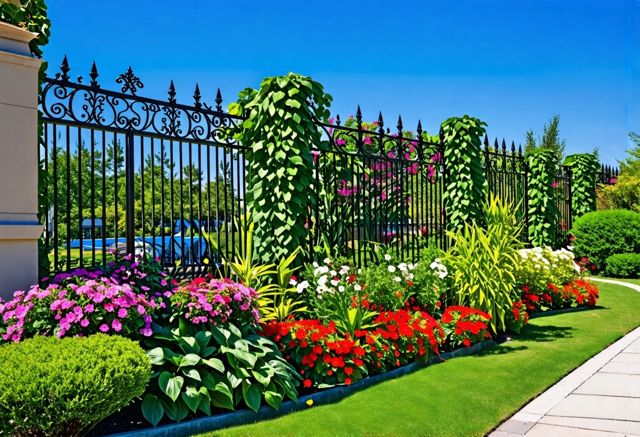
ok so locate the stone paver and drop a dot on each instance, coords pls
(612, 384)
(599, 398)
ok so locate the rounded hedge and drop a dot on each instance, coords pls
(52, 387)
(624, 265)
(600, 234)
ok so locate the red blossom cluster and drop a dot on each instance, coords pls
(575, 293)
(325, 357)
(464, 325)
(580, 292)
(518, 316)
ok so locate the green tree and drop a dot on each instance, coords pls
(550, 138)
(625, 193)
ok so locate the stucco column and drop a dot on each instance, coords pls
(19, 226)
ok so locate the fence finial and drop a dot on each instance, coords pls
(419, 129)
(399, 125)
(94, 76)
(130, 82)
(218, 100)
(172, 93)
(196, 97)
(486, 142)
(64, 68)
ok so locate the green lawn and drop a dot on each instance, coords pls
(471, 395)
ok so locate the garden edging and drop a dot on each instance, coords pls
(245, 416)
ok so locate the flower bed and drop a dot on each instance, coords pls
(210, 351)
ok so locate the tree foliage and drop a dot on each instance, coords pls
(550, 138)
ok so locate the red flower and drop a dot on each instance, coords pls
(348, 370)
(347, 381)
(466, 342)
(307, 383)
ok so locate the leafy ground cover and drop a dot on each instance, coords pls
(471, 395)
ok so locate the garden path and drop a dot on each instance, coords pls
(599, 398)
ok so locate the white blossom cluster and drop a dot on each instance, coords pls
(439, 269)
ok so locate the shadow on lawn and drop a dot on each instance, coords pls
(545, 333)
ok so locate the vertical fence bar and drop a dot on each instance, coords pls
(130, 193)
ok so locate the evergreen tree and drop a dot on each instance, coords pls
(550, 138)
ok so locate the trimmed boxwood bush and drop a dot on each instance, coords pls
(624, 265)
(601, 234)
(54, 387)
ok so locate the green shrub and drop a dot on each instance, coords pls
(484, 262)
(601, 234)
(624, 265)
(54, 387)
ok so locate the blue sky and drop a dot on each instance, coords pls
(512, 63)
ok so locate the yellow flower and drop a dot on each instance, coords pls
(205, 260)
(309, 402)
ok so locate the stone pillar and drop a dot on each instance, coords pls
(19, 226)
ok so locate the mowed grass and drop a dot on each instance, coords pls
(470, 395)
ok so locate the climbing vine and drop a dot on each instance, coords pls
(542, 209)
(30, 15)
(281, 134)
(584, 169)
(466, 185)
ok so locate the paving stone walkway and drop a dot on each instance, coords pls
(599, 398)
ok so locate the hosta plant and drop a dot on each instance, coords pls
(224, 367)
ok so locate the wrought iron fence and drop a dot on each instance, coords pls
(379, 188)
(506, 175)
(608, 175)
(130, 174)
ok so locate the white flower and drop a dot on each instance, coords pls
(335, 282)
(402, 266)
(411, 266)
(357, 287)
(397, 279)
(327, 261)
(293, 282)
(344, 270)
(302, 286)
(315, 265)
(391, 269)
(387, 257)
(341, 288)
(322, 281)
(333, 273)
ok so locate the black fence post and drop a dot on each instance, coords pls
(130, 193)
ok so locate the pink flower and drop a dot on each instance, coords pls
(104, 327)
(122, 313)
(116, 325)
